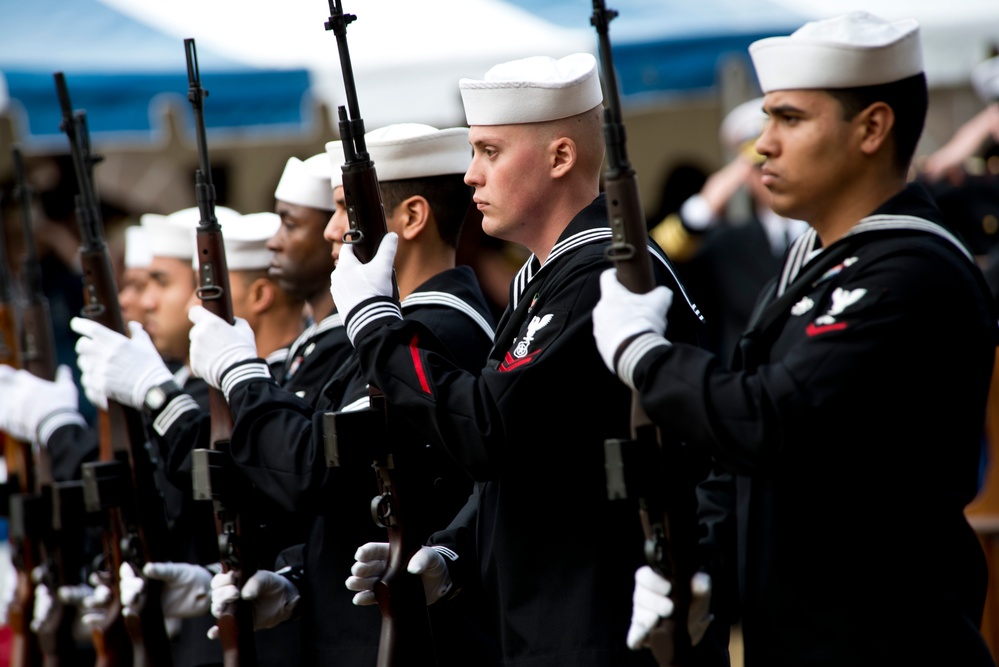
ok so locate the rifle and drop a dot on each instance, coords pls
(39, 513)
(25, 649)
(406, 635)
(645, 464)
(213, 475)
(121, 483)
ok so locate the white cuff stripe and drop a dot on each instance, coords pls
(362, 403)
(633, 354)
(56, 421)
(242, 373)
(367, 314)
(172, 412)
(447, 553)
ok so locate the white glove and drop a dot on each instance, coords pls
(116, 366)
(372, 562)
(652, 604)
(621, 314)
(352, 282)
(46, 613)
(76, 597)
(9, 581)
(274, 598)
(93, 605)
(217, 345)
(184, 594)
(27, 400)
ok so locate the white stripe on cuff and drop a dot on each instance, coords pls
(180, 404)
(633, 354)
(370, 313)
(242, 373)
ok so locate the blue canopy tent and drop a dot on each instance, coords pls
(669, 48)
(665, 48)
(122, 71)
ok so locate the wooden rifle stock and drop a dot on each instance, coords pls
(667, 500)
(214, 476)
(42, 508)
(122, 482)
(406, 636)
(25, 649)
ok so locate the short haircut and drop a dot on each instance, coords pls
(448, 195)
(248, 276)
(908, 98)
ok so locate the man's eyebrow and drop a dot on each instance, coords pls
(782, 109)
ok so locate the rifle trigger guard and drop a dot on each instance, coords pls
(619, 252)
(209, 293)
(381, 511)
(353, 236)
(93, 310)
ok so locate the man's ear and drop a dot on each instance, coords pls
(875, 124)
(563, 156)
(413, 214)
(262, 295)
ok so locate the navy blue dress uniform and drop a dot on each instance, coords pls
(551, 556)
(181, 425)
(452, 306)
(849, 426)
(538, 543)
(295, 474)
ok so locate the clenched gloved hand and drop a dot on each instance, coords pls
(185, 592)
(31, 408)
(116, 366)
(372, 562)
(352, 283)
(621, 315)
(651, 605)
(49, 609)
(274, 598)
(216, 345)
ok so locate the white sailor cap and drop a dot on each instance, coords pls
(306, 183)
(138, 254)
(532, 90)
(334, 151)
(985, 79)
(413, 150)
(847, 51)
(245, 241)
(172, 235)
(742, 126)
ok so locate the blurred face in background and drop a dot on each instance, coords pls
(338, 224)
(133, 283)
(165, 302)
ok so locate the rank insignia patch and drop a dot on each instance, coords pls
(524, 345)
(841, 300)
(536, 335)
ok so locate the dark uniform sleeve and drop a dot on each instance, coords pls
(277, 443)
(70, 447)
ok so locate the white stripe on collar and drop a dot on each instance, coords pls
(586, 237)
(330, 322)
(804, 247)
(450, 301)
(278, 356)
